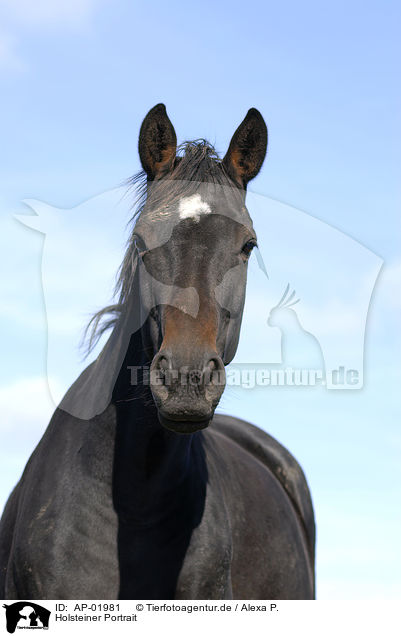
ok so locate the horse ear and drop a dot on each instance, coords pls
(157, 142)
(247, 149)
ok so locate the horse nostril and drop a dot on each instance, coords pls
(163, 363)
(160, 366)
(213, 372)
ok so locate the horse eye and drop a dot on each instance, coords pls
(248, 247)
(139, 244)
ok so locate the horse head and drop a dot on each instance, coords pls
(191, 244)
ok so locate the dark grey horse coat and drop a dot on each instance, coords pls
(137, 490)
(252, 539)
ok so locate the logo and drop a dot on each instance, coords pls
(26, 615)
(309, 288)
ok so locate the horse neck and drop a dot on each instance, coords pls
(152, 466)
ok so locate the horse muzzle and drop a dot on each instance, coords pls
(186, 393)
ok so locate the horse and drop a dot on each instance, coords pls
(137, 489)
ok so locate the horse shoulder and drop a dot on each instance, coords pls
(7, 525)
(280, 463)
(63, 493)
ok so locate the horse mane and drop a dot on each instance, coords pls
(196, 162)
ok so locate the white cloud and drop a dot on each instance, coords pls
(26, 408)
(16, 310)
(44, 13)
(23, 15)
(9, 58)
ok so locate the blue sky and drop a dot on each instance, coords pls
(77, 79)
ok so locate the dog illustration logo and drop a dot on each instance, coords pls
(26, 615)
